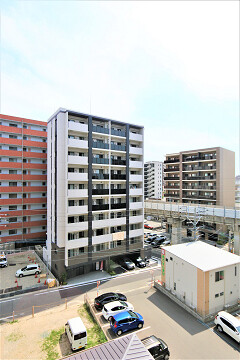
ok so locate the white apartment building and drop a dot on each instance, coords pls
(153, 179)
(95, 191)
(237, 189)
(204, 277)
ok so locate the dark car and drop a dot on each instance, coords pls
(127, 263)
(140, 262)
(103, 299)
(158, 241)
(157, 347)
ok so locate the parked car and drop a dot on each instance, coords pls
(166, 242)
(127, 263)
(227, 323)
(146, 226)
(157, 347)
(125, 321)
(3, 260)
(158, 241)
(115, 307)
(103, 299)
(28, 270)
(140, 262)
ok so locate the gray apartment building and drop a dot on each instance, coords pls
(95, 192)
(203, 176)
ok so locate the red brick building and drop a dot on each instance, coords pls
(23, 180)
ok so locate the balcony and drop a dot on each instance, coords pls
(118, 206)
(78, 144)
(135, 219)
(135, 137)
(194, 178)
(76, 243)
(100, 145)
(78, 176)
(172, 195)
(198, 158)
(100, 176)
(76, 126)
(97, 224)
(171, 178)
(118, 162)
(74, 193)
(136, 232)
(100, 207)
(103, 161)
(197, 168)
(134, 192)
(77, 160)
(199, 187)
(135, 205)
(78, 226)
(199, 197)
(77, 210)
(118, 176)
(171, 187)
(135, 178)
(101, 239)
(118, 132)
(135, 164)
(118, 191)
(172, 169)
(117, 221)
(118, 147)
(100, 191)
(135, 150)
(171, 161)
(100, 129)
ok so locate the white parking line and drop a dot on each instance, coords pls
(148, 327)
(7, 300)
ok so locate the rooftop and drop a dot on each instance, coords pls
(204, 256)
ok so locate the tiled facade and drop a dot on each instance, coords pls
(23, 180)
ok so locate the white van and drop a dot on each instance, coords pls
(76, 333)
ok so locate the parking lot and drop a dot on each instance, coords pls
(187, 338)
(17, 261)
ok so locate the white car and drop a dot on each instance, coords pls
(115, 307)
(28, 270)
(229, 324)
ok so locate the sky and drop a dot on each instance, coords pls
(171, 66)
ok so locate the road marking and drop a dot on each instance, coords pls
(148, 327)
(7, 300)
(8, 317)
(143, 287)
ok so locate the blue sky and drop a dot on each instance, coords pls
(170, 66)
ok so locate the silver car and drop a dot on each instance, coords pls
(28, 270)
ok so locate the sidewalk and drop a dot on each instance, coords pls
(94, 275)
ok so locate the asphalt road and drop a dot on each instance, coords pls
(22, 304)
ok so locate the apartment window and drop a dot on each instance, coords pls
(13, 148)
(24, 137)
(12, 207)
(24, 160)
(175, 286)
(70, 202)
(43, 194)
(12, 220)
(12, 159)
(44, 151)
(12, 232)
(13, 125)
(24, 231)
(216, 295)
(43, 227)
(12, 136)
(43, 184)
(235, 270)
(24, 183)
(25, 126)
(24, 172)
(221, 293)
(24, 149)
(43, 216)
(24, 196)
(44, 140)
(12, 171)
(219, 275)
(44, 161)
(43, 205)
(24, 218)
(24, 207)
(119, 242)
(44, 172)
(12, 183)
(12, 196)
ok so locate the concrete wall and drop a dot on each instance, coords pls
(227, 178)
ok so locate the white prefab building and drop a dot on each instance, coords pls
(203, 276)
(153, 179)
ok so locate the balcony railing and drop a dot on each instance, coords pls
(100, 145)
(199, 187)
(118, 162)
(100, 161)
(100, 176)
(198, 197)
(118, 132)
(171, 178)
(118, 176)
(100, 207)
(171, 161)
(100, 191)
(195, 158)
(118, 206)
(193, 178)
(192, 168)
(118, 191)
(118, 147)
(172, 195)
(100, 129)
(171, 169)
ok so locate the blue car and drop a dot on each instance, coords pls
(125, 321)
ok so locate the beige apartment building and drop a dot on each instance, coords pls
(202, 176)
